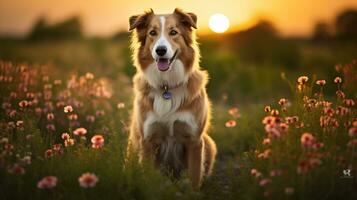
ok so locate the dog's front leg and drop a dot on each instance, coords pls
(195, 161)
(154, 135)
(186, 131)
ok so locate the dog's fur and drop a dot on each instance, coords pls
(170, 133)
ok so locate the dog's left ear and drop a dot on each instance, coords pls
(187, 19)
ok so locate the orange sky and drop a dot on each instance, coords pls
(104, 17)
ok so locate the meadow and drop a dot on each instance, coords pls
(285, 125)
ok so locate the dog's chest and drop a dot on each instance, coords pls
(165, 107)
(166, 112)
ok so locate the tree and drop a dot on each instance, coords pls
(321, 31)
(38, 29)
(68, 29)
(346, 24)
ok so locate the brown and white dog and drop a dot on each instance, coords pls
(171, 109)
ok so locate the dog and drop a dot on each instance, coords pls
(171, 109)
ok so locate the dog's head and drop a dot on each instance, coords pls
(163, 40)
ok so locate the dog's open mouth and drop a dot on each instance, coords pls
(163, 64)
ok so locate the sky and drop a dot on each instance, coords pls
(105, 17)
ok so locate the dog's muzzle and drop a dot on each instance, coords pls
(163, 64)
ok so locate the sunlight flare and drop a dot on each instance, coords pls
(218, 23)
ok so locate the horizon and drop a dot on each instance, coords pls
(111, 16)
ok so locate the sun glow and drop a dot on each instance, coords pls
(218, 23)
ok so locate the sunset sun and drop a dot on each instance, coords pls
(218, 23)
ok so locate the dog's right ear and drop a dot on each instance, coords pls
(139, 21)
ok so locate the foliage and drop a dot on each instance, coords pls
(70, 28)
(346, 24)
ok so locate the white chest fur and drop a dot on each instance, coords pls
(168, 121)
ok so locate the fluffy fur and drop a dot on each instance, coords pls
(170, 133)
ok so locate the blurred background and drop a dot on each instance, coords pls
(264, 39)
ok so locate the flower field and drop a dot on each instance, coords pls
(64, 137)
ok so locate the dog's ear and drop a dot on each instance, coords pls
(187, 19)
(139, 21)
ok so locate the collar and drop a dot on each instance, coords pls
(167, 87)
(166, 94)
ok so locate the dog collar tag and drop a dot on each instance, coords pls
(166, 94)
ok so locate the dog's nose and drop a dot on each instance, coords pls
(161, 50)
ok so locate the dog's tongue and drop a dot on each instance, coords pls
(163, 64)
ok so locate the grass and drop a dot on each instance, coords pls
(63, 80)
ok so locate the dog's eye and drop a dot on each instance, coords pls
(173, 32)
(152, 33)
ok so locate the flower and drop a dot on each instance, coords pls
(265, 154)
(328, 111)
(282, 101)
(51, 127)
(120, 105)
(264, 182)
(11, 125)
(89, 76)
(73, 117)
(23, 103)
(45, 78)
(349, 102)
(90, 118)
(337, 80)
(340, 94)
(26, 160)
(57, 82)
(255, 173)
(352, 132)
(284, 127)
(340, 110)
(97, 141)
(68, 109)
(19, 123)
(231, 123)
(307, 140)
(99, 113)
(69, 142)
(48, 153)
(274, 112)
(8, 147)
(354, 123)
(273, 131)
(87, 180)
(266, 141)
(65, 136)
(321, 82)
(303, 167)
(276, 172)
(50, 116)
(289, 190)
(17, 169)
(234, 112)
(318, 145)
(80, 131)
(302, 80)
(314, 162)
(267, 109)
(47, 182)
(268, 120)
(56, 147)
